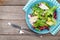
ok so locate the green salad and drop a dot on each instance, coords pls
(43, 16)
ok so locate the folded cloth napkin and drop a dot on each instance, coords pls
(55, 29)
(27, 6)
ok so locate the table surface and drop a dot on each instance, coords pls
(11, 11)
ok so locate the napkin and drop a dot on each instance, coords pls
(56, 30)
(28, 5)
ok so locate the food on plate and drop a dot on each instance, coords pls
(43, 16)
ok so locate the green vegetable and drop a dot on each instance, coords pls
(44, 17)
(36, 9)
(49, 13)
(40, 23)
(37, 29)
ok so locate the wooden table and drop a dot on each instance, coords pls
(11, 11)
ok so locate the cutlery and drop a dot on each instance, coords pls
(16, 26)
(21, 30)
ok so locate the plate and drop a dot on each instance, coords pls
(28, 11)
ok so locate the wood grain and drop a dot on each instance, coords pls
(29, 38)
(10, 37)
(14, 2)
(41, 38)
(12, 12)
(6, 29)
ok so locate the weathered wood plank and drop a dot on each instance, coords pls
(13, 2)
(6, 29)
(10, 37)
(41, 38)
(12, 12)
(29, 38)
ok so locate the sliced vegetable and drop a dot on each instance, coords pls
(43, 16)
(44, 27)
(50, 23)
(33, 19)
(43, 6)
(37, 29)
(55, 14)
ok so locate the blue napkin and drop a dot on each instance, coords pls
(27, 6)
(55, 29)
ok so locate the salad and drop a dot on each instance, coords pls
(43, 16)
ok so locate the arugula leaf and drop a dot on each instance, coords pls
(37, 29)
(50, 12)
(40, 23)
(36, 9)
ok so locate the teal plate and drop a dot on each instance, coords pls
(28, 11)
